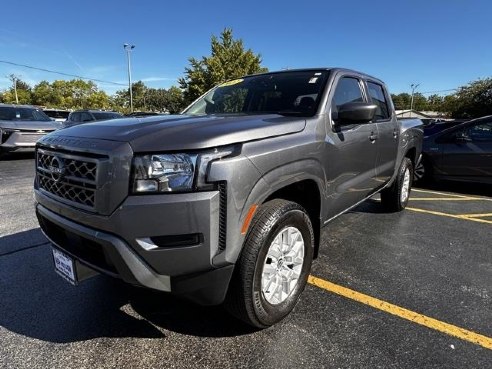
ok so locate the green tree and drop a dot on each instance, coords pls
(435, 103)
(449, 104)
(155, 99)
(73, 94)
(121, 98)
(149, 99)
(419, 102)
(44, 94)
(401, 101)
(473, 100)
(228, 60)
(23, 91)
(174, 101)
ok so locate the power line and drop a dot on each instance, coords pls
(434, 92)
(61, 73)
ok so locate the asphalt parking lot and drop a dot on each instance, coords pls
(406, 290)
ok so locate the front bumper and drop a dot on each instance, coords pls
(19, 140)
(113, 244)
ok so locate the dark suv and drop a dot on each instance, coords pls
(87, 116)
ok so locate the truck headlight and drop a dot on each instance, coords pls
(179, 172)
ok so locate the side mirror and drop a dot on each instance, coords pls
(356, 112)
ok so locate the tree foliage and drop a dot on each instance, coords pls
(474, 100)
(149, 99)
(23, 91)
(471, 101)
(174, 100)
(228, 60)
(73, 94)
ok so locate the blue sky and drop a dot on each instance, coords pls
(440, 44)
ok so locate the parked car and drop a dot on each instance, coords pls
(461, 152)
(436, 127)
(88, 116)
(225, 202)
(58, 115)
(21, 126)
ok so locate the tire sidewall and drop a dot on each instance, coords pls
(265, 312)
(406, 165)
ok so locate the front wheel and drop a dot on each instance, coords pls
(395, 198)
(422, 173)
(274, 265)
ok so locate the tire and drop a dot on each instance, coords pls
(395, 198)
(251, 296)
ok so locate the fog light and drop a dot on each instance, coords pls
(146, 185)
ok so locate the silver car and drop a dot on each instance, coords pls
(21, 126)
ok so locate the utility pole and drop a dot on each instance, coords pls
(14, 79)
(413, 87)
(128, 48)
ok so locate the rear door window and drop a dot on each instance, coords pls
(376, 92)
(75, 117)
(86, 117)
(479, 132)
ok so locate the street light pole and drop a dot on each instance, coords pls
(128, 49)
(413, 87)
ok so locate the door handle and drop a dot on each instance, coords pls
(373, 137)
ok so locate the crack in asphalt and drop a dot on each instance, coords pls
(24, 248)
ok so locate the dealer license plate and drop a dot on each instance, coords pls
(65, 266)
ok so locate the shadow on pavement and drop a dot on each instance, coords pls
(24, 240)
(373, 205)
(37, 303)
(178, 315)
(370, 206)
(463, 188)
(13, 156)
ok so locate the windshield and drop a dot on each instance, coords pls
(57, 114)
(285, 93)
(23, 114)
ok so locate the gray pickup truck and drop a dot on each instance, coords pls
(224, 202)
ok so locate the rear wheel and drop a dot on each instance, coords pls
(395, 198)
(422, 172)
(274, 265)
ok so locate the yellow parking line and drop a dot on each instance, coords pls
(444, 198)
(451, 194)
(450, 215)
(403, 313)
(437, 193)
(477, 215)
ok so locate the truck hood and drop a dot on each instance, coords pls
(185, 132)
(28, 125)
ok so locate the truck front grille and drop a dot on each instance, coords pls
(69, 177)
